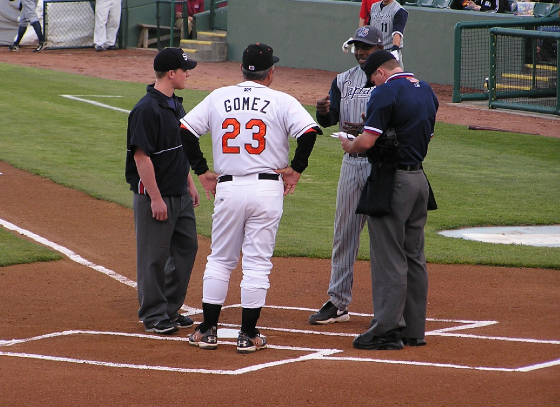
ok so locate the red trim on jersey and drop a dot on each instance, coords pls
(400, 75)
(141, 189)
(372, 132)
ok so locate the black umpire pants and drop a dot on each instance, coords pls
(165, 254)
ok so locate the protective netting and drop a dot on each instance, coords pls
(69, 24)
(526, 70)
(472, 53)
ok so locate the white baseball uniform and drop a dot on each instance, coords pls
(107, 21)
(250, 125)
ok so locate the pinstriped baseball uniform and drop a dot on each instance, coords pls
(390, 19)
(353, 96)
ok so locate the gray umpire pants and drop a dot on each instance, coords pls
(348, 226)
(399, 276)
(165, 254)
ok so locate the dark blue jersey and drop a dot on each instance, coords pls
(408, 106)
(154, 127)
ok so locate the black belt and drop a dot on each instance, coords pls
(275, 177)
(414, 167)
(356, 155)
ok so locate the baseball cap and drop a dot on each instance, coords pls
(258, 57)
(169, 59)
(368, 35)
(375, 60)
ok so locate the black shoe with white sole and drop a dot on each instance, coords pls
(329, 314)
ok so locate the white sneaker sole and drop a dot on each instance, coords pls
(341, 318)
(204, 345)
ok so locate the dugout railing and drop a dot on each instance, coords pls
(524, 70)
(472, 53)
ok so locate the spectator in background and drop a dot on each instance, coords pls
(107, 22)
(492, 6)
(28, 16)
(364, 12)
(193, 7)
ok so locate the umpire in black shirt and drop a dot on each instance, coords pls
(157, 169)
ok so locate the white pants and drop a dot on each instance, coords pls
(107, 21)
(247, 211)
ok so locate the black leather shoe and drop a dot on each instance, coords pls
(414, 341)
(391, 341)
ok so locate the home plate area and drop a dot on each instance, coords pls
(449, 346)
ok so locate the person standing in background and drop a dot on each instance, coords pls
(193, 7)
(364, 12)
(28, 16)
(107, 22)
(389, 17)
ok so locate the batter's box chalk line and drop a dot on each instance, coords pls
(315, 354)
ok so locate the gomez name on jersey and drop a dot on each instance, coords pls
(246, 103)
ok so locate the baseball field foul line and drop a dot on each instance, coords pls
(78, 259)
(93, 102)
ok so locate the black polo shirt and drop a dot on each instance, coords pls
(154, 127)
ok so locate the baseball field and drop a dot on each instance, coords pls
(68, 332)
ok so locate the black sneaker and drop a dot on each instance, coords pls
(161, 327)
(246, 344)
(40, 47)
(181, 321)
(204, 340)
(14, 47)
(329, 314)
(99, 48)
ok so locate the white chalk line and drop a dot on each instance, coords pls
(78, 259)
(93, 102)
(315, 354)
(122, 279)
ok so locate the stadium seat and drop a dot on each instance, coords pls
(410, 3)
(426, 3)
(542, 9)
(442, 3)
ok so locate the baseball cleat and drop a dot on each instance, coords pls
(204, 339)
(246, 344)
(329, 314)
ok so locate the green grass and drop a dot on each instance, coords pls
(15, 250)
(479, 178)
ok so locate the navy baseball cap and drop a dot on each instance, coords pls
(368, 35)
(258, 57)
(375, 60)
(169, 59)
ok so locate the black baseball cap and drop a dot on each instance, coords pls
(375, 60)
(169, 59)
(258, 57)
(368, 35)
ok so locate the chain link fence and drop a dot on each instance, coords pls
(68, 23)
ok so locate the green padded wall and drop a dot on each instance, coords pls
(309, 34)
